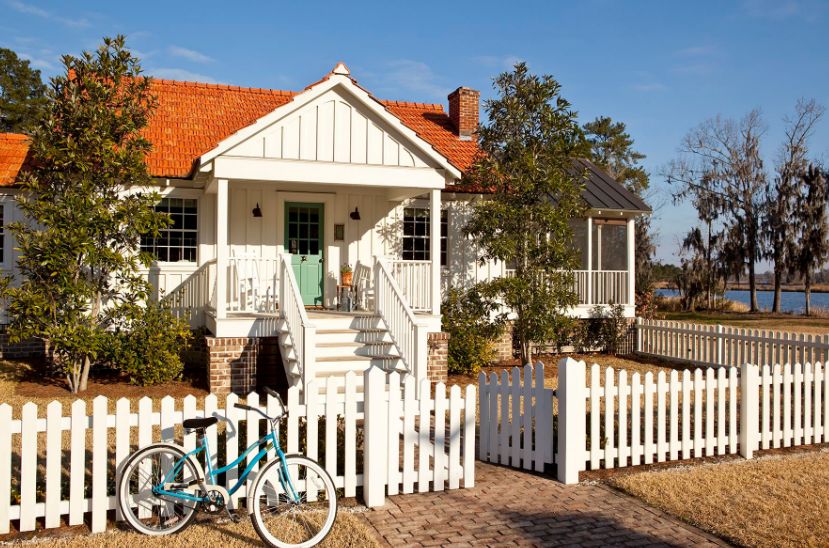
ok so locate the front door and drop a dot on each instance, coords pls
(303, 235)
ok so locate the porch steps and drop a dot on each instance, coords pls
(343, 343)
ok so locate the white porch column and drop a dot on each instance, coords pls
(589, 260)
(221, 248)
(631, 262)
(434, 248)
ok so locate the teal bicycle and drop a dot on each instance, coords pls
(292, 501)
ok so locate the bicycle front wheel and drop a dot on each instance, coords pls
(296, 509)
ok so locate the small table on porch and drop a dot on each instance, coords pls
(345, 292)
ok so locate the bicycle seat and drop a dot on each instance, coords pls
(200, 423)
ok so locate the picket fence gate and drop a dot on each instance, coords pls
(721, 345)
(39, 480)
(619, 420)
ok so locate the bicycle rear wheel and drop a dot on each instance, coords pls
(298, 515)
(145, 510)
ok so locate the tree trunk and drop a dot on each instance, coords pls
(84, 374)
(752, 285)
(807, 282)
(775, 306)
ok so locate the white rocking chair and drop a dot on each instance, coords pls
(362, 286)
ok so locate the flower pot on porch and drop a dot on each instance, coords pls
(346, 278)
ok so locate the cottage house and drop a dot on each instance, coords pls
(271, 192)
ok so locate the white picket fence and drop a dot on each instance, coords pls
(58, 467)
(620, 420)
(720, 345)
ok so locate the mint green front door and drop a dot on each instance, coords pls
(303, 240)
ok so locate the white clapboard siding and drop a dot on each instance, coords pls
(618, 420)
(726, 346)
(439, 430)
(517, 419)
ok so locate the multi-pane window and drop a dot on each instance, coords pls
(179, 241)
(416, 235)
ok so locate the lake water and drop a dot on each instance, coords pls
(792, 301)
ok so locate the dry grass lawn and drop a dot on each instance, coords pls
(350, 529)
(771, 501)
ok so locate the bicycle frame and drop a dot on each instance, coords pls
(270, 440)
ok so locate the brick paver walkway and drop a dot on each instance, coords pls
(510, 507)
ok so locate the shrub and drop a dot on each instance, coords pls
(606, 329)
(149, 348)
(472, 325)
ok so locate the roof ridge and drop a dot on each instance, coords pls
(412, 104)
(223, 87)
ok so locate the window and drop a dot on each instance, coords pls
(609, 245)
(177, 242)
(416, 235)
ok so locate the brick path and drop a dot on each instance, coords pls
(510, 507)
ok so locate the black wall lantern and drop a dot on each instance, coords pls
(355, 215)
(257, 211)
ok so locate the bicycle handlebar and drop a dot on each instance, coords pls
(270, 392)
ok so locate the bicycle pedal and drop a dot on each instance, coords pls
(234, 517)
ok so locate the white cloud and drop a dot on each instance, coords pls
(189, 54)
(416, 77)
(171, 73)
(30, 9)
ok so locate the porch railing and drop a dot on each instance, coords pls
(415, 281)
(407, 333)
(607, 287)
(194, 295)
(299, 328)
(252, 284)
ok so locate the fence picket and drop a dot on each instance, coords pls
(495, 421)
(409, 411)
(529, 411)
(468, 437)
(635, 420)
(439, 452)
(674, 416)
(454, 437)
(332, 387)
(721, 415)
(787, 405)
(100, 502)
(122, 440)
(595, 416)
(661, 444)
(5, 466)
(77, 462)
(609, 430)
(686, 415)
(649, 390)
(424, 424)
(350, 431)
(808, 424)
(698, 441)
(54, 418)
(234, 417)
(733, 434)
(797, 415)
(766, 427)
(622, 405)
(483, 406)
(710, 388)
(515, 419)
(819, 426)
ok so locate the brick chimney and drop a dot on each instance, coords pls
(463, 111)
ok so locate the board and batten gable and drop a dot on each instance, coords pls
(331, 128)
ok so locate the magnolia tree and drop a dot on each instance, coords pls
(78, 282)
(527, 153)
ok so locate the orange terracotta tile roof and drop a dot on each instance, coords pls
(193, 118)
(13, 150)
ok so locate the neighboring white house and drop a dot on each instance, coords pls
(270, 192)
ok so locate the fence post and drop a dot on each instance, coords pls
(749, 410)
(376, 430)
(719, 345)
(571, 419)
(638, 335)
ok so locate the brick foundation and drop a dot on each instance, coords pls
(437, 365)
(33, 348)
(243, 364)
(503, 345)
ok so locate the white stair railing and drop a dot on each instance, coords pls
(408, 334)
(415, 281)
(193, 297)
(300, 329)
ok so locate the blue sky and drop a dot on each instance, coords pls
(660, 67)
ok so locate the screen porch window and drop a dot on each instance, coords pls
(610, 245)
(416, 237)
(179, 241)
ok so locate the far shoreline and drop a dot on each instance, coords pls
(818, 288)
